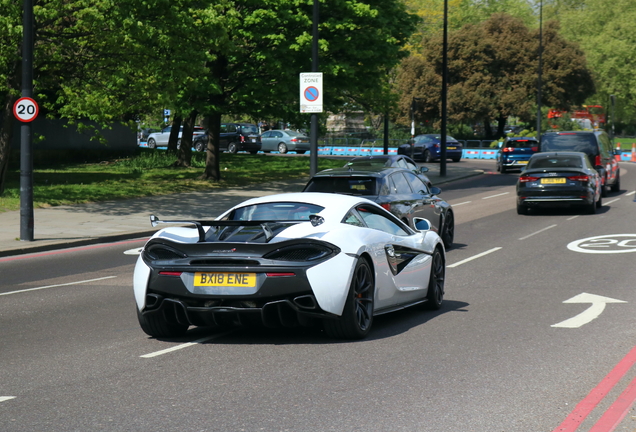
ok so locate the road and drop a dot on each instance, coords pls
(494, 358)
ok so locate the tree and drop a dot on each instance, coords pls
(605, 33)
(492, 73)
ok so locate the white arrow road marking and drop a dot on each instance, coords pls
(6, 398)
(598, 306)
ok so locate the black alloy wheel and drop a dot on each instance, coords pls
(435, 294)
(427, 156)
(449, 230)
(152, 143)
(357, 316)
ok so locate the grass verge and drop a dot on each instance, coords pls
(149, 173)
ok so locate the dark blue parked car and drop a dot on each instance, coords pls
(515, 153)
(428, 148)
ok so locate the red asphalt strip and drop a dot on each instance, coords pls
(74, 249)
(616, 412)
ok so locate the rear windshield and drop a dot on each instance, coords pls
(249, 129)
(281, 211)
(343, 185)
(375, 162)
(556, 162)
(521, 143)
(585, 143)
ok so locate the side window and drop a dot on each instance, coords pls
(401, 185)
(167, 130)
(417, 184)
(266, 135)
(375, 220)
(410, 166)
(402, 164)
(352, 219)
(606, 145)
(279, 135)
(231, 128)
(223, 128)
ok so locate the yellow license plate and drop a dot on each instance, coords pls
(451, 148)
(225, 279)
(522, 162)
(552, 180)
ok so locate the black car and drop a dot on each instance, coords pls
(234, 137)
(398, 161)
(427, 147)
(398, 190)
(598, 148)
(559, 179)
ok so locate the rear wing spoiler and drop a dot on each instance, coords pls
(264, 224)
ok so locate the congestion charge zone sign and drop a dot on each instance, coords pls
(311, 92)
(25, 109)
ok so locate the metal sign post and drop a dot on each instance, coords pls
(26, 110)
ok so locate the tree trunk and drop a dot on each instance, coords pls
(174, 134)
(6, 135)
(487, 128)
(212, 168)
(185, 151)
(501, 125)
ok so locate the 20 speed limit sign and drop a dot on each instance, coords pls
(25, 109)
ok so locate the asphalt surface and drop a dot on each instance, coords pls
(83, 224)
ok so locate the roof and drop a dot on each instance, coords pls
(368, 171)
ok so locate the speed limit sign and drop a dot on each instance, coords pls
(25, 109)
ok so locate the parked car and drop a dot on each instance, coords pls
(286, 260)
(234, 137)
(160, 138)
(558, 179)
(514, 153)
(283, 141)
(395, 189)
(598, 148)
(428, 148)
(142, 134)
(398, 161)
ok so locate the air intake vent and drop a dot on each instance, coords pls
(224, 262)
(300, 252)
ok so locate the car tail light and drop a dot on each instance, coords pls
(436, 146)
(170, 273)
(280, 274)
(386, 206)
(597, 160)
(508, 149)
(294, 140)
(526, 179)
(535, 149)
(581, 178)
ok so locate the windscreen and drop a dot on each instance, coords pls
(343, 185)
(585, 143)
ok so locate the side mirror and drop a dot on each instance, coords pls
(421, 224)
(435, 190)
(423, 169)
(500, 144)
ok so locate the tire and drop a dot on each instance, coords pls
(232, 148)
(498, 166)
(427, 156)
(282, 148)
(503, 169)
(449, 231)
(599, 203)
(591, 208)
(300, 151)
(199, 146)
(357, 316)
(456, 160)
(616, 187)
(152, 143)
(435, 294)
(156, 325)
(179, 144)
(253, 151)
(604, 189)
(521, 209)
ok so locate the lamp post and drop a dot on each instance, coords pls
(26, 156)
(313, 131)
(442, 167)
(539, 70)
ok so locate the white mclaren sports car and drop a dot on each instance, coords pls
(287, 260)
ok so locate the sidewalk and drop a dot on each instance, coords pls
(84, 224)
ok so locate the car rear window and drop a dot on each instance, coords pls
(585, 143)
(250, 129)
(521, 143)
(556, 162)
(280, 211)
(343, 185)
